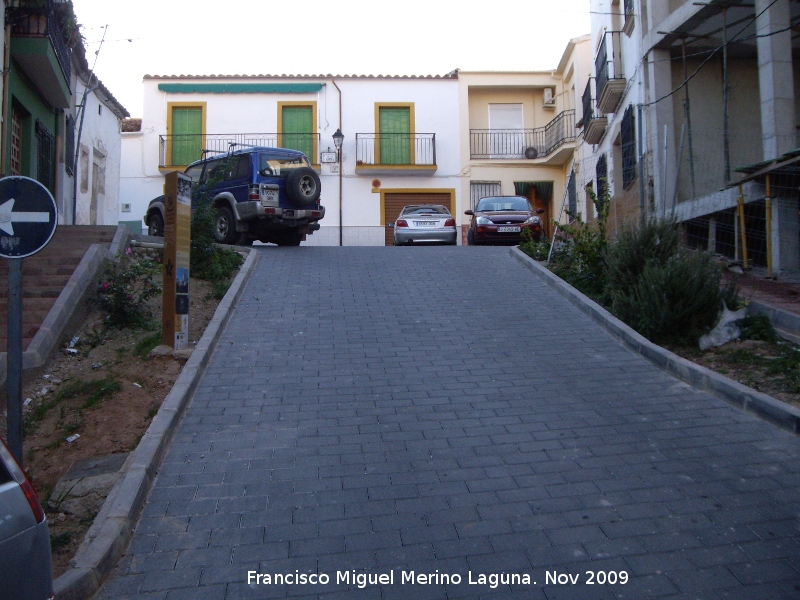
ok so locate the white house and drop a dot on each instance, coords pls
(304, 112)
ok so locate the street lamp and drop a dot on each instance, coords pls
(338, 138)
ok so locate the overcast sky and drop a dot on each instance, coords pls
(423, 37)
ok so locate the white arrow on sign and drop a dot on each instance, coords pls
(8, 218)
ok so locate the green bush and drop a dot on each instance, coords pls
(126, 288)
(537, 250)
(674, 300)
(579, 256)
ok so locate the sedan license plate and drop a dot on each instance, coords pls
(508, 230)
(425, 223)
(269, 197)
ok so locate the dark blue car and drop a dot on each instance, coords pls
(259, 193)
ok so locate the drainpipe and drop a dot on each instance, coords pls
(341, 224)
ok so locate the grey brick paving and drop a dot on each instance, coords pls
(440, 409)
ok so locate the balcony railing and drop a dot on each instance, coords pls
(41, 21)
(608, 69)
(594, 125)
(180, 150)
(523, 143)
(395, 149)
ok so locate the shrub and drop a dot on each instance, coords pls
(674, 300)
(537, 250)
(579, 256)
(125, 290)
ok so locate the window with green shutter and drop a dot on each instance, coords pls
(395, 135)
(297, 127)
(187, 138)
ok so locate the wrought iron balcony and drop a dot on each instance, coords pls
(41, 21)
(594, 124)
(180, 150)
(411, 153)
(608, 68)
(523, 143)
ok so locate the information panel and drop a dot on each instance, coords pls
(177, 244)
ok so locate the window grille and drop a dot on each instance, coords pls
(69, 143)
(628, 147)
(45, 157)
(601, 171)
(572, 196)
(482, 189)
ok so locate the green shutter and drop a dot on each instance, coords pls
(395, 138)
(297, 128)
(187, 139)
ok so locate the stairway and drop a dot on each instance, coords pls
(46, 273)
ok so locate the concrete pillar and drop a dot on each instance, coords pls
(775, 79)
(659, 71)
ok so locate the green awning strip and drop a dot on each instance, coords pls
(240, 88)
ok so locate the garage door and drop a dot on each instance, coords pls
(394, 203)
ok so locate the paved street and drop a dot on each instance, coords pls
(371, 412)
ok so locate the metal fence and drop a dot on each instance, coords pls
(402, 149)
(180, 150)
(523, 143)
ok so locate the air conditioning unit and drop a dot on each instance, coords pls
(549, 97)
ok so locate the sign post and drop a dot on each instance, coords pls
(177, 245)
(28, 219)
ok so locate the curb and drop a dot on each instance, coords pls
(113, 527)
(747, 399)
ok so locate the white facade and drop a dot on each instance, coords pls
(348, 103)
(99, 154)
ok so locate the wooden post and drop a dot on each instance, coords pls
(742, 229)
(177, 243)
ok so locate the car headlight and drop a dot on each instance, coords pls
(483, 221)
(532, 221)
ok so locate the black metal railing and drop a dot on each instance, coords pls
(399, 149)
(587, 101)
(523, 143)
(182, 149)
(608, 62)
(41, 21)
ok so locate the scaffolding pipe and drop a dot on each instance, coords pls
(742, 229)
(768, 202)
(664, 187)
(561, 212)
(726, 144)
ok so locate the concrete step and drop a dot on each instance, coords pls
(46, 273)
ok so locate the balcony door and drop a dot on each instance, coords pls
(187, 139)
(394, 124)
(297, 129)
(507, 131)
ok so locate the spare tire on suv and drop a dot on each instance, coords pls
(303, 186)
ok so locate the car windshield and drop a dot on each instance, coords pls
(426, 210)
(509, 203)
(275, 165)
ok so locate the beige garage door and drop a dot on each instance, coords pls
(394, 203)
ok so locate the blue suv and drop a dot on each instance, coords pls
(259, 193)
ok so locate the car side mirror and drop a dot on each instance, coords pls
(469, 212)
(390, 224)
(539, 211)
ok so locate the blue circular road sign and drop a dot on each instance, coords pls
(28, 216)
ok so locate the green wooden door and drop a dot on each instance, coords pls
(187, 139)
(297, 127)
(395, 135)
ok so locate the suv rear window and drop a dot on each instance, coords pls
(272, 165)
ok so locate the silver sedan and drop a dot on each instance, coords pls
(425, 224)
